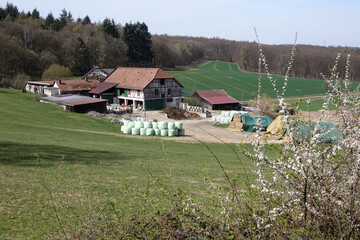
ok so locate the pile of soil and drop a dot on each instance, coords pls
(179, 114)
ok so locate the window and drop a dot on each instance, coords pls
(162, 81)
(163, 95)
(169, 91)
(138, 93)
(169, 100)
(156, 92)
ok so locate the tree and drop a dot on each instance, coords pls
(109, 27)
(49, 21)
(138, 40)
(81, 56)
(35, 13)
(2, 14)
(56, 72)
(12, 11)
(86, 20)
(65, 17)
(244, 60)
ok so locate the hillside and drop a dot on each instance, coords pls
(239, 84)
(86, 163)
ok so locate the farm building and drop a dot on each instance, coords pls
(98, 73)
(142, 88)
(58, 87)
(216, 100)
(77, 103)
(104, 91)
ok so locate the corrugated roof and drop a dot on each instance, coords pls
(103, 87)
(136, 78)
(218, 96)
(77, 85)
(47, 83)
(72, 100)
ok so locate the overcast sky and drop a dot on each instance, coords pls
(318, 22)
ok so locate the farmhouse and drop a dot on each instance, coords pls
(216, 100)
(58, 87)
(98, 73)
(141, 88)
(77, 103)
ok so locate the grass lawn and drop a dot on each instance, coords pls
(83, 163)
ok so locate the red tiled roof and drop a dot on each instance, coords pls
(136, 78)
(221, 100)
(76, 85)
(216, 96)
(103, 87)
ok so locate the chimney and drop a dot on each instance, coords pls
(59, 82)
(86, 79)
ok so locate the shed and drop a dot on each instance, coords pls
(77, 103)
(216, 100)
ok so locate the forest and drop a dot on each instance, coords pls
(30, 44)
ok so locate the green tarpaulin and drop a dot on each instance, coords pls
(254, 122)
(328, 131)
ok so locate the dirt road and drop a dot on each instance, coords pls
(204, 130)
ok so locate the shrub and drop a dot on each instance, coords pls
(192, 101)
(56, 72)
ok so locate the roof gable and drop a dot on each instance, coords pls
(136, 78)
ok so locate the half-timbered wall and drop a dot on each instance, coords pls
(159, 88)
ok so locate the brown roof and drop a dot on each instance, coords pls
(136, 78)
(216, 96)
(103, 87)
(76, 85)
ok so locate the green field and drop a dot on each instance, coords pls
(238, 84)
(87, 163)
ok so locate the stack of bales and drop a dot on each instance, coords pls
(170, 129)
(227, 116)
(236, 123)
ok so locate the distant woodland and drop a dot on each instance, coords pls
(30, 44)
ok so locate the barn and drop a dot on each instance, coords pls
(77, 103)
(216, 100)
(140, 88)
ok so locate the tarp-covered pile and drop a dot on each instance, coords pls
(252, 123)
(328, 132)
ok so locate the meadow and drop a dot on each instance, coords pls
(239, 84)
(56, 164)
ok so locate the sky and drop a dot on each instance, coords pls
(317, 22)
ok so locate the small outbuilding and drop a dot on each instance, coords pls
(77, 103)
(217, 100)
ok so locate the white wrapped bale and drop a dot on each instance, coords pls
(142, 131)
(164, 132)
(135, 131)
(147, 125)
(150, 132)
(178, 125)
(171, 132)
(139, 124)
(171, 126)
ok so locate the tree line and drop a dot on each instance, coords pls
(30, 44)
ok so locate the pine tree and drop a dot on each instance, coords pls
(138, 39)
